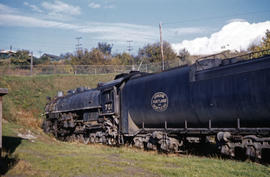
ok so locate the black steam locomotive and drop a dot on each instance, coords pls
(227, 99)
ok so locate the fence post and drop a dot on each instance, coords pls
(31, 65)
(3, 91)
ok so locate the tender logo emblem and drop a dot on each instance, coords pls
(159, 101)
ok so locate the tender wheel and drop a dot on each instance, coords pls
(138, 142)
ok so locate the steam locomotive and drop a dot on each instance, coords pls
(227, 99)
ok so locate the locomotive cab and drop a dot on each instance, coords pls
(109, 97)
(107, 100)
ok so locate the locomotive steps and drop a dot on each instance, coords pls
(48, 157)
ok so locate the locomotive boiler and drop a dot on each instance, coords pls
(227, 99)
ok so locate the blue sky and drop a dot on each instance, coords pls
(51, 26)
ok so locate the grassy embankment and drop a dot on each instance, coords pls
(46, 156)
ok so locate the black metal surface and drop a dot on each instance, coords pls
(90, 116)
(78, 101)
(237, 68)
(137, 95)
(107, 100)
(241, 94)
(222, 94)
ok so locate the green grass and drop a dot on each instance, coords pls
(49, 157)
(27, 95)
(46, 156)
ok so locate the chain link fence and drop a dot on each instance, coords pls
(26, 70)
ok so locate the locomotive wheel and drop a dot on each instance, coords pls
(72, 138)
(86, 139)
(92, 137)
(103, 139)
(97, 139)
(46, 126)
(80, 138)
(111, 141)
(54, 129)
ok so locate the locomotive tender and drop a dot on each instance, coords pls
(227, 99)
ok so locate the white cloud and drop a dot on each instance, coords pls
(104, 4)
(101, 31)
(94, 5)
(233, 36)
(184, 31)
(24, 21)
(236, 20)
(120, 32)
(58, 7)
(33, 7)
(6, 9)
(109, 6)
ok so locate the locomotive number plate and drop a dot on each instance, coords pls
(159, 101)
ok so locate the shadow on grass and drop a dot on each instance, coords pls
(9, 160)
(211, 150)
(203, 149)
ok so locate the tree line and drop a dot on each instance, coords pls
(102, 55)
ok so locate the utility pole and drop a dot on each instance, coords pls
(78, 45)
(129, 48)
(161, 45)
(31, 66)
(40, 52)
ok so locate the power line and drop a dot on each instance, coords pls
(129, 48)
(78, 45)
